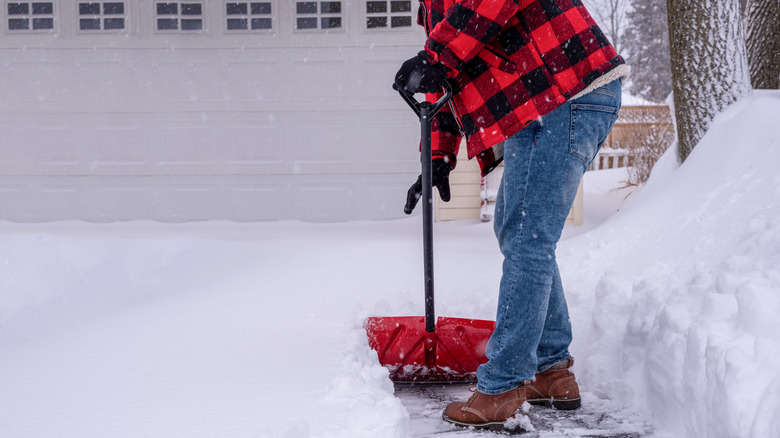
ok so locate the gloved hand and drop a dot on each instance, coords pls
(441, 180)
(418, 75)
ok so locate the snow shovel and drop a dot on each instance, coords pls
(420, 349)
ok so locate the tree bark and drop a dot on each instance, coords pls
(709, 64)
(762, 38)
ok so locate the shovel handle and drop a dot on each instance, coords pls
(425, 111)
(433, 107)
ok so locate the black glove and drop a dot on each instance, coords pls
(418, 75)
(441, 180)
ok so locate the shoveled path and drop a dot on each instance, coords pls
(425, 404)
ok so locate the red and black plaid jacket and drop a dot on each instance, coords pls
(510, 62)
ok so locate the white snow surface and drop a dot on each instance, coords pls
(220, 329)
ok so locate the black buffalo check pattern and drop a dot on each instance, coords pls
(510, 62)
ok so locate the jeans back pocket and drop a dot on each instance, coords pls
(590, 125)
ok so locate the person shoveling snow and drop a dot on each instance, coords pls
(544, 108)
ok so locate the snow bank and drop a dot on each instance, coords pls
(683, 287)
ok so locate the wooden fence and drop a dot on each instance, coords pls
(635, 124)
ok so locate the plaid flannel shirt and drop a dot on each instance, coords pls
(510, 62)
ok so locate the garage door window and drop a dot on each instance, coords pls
(179, 16)
(249, 16)
(388, 14)
(101, 16)
(318, 16)
(30, 17)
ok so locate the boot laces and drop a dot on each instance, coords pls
(473, 389)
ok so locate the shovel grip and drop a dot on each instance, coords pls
(433, 107)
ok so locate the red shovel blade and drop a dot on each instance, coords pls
(451, 353)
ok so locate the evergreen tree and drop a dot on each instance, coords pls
(709, 64)
(646, 43)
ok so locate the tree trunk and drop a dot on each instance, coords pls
(762, 38)
(709, 64)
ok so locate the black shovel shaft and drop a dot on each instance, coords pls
(427, 213)
(426, 111)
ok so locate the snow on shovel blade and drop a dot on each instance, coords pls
(451, 353)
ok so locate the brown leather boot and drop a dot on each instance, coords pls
(483, 411)
(555, 387)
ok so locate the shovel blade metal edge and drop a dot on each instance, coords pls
(451, 353)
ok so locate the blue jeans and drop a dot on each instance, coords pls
(543, 166)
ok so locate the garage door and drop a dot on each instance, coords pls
(195, 110)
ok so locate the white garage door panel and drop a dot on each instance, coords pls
(52, 151)
(26, 151)
(249, 77)
(111, 201)
(196, 201)
(387, 197)
(381, 73)
(185, 149)
(316, 79)
(258, 201)
(251, 149)
(28, 78)
(321, 199)
(399, 141)
(99, 80)
(70, 80)
(184, 81)
(320, 143)
(65, 199)
(115, 149)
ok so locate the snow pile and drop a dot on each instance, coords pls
(364, 392)
(521, 420)
(687, 287)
